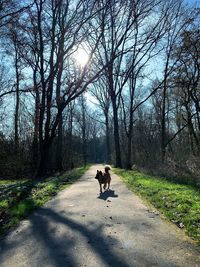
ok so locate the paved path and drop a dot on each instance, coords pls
(79, 228)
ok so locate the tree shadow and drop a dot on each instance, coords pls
(106, 194)
(52, 239)
(60, 249)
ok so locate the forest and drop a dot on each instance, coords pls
(99, 81)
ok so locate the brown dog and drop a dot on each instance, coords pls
(103, 178)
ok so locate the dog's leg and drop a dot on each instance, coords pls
(109, 184)
(100, 187)
(104, 186)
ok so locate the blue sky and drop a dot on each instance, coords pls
(193, 2)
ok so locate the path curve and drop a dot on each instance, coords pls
(77, 228)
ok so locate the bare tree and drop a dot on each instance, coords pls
(100, 91)
(178, 20)
(146, 42)
(10, 10)
(115, 43)
(58, 82)
(186, 80)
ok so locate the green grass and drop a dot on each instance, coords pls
(179, 203)
(9, 182)
(21, 198)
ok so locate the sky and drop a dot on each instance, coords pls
(156, 71)
(193, 2)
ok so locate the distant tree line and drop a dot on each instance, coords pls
(142, 76)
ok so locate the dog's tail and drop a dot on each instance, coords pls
(107, 169)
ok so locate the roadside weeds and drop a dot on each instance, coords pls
(178, 203)
(20, 198)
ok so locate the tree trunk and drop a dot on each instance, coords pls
(84, 141)
(163, 116)
(108, 152)
(17, 102)
(35, 144)
(129, 148)
(70, 139)
(116, 135)
(192, 134)
(163, 127)
(42, 166)
(44, 157)
(59, 150)
(118, 162)
(130, 128)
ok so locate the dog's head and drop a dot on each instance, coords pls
(98, 174)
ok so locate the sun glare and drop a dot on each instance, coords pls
(81, 56)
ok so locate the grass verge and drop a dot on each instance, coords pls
(19, 198)
(179, 203)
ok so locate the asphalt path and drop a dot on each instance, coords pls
(80, 227)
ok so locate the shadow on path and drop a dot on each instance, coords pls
(56, 240)
(106, 194)
(60, 249)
